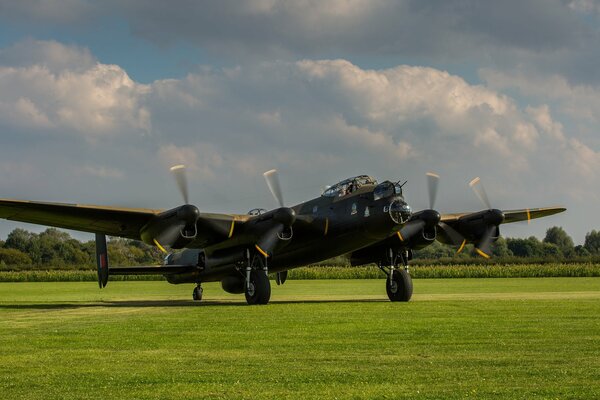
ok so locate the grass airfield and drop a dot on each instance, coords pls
(458, 338)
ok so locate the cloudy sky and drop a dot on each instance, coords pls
(97, 99)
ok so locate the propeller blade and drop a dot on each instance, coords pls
(178, 172)
(269, 240)
(272, 178)
(456, 238)
(410, 229)
(432, 184)
(479, 190)
(484, 247)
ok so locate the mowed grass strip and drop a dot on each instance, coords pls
(458, 338)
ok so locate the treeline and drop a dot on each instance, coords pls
(55, 249)
(556, 245)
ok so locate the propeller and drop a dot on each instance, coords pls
(178, 172)
(425, 218)
(431, 218)
(284, 218)
(272, 178)
(484, 247)
(433, 181)
(480, 192)
(177, 223)
(493, 218)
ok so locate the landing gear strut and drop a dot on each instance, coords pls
(398, 285)
(258, 287)
(197, 294)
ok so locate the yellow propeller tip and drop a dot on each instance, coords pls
(159, 246)
(474, 181)
(432, 174)
(481, 253)
(177, 167)
(261, 251)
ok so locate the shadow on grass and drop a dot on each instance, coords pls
(171, 303)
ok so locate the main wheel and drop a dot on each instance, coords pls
(197, 294)
(259, 289)
(399, 288)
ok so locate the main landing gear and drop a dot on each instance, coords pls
(398, 284)
(258, 287)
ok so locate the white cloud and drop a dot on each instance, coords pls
(50, 54)
(317, 121)
(72, 95)
(580, 101)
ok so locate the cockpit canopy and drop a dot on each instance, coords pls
(348, 186)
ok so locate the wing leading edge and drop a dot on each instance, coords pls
(525, 214)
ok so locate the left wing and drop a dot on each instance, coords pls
(479, 228)
(525, 214)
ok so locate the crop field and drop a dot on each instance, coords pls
(516, 338)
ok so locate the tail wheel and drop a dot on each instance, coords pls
(259, 289)
(400, 287)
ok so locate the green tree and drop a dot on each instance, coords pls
(14, 257)
(19, 239)
(581, 251)
(434, 251)
(550, 250)
(557, 235)
(592, 242)
(500, 248)
(530, 247)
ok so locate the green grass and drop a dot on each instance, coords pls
(458, 338)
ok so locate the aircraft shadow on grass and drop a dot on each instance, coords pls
(168, 303)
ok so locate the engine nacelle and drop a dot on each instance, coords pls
(174, 228)
(422, 239)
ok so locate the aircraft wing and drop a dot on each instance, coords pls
(525, 214)
(113, 221)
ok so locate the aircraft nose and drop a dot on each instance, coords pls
(400, 211)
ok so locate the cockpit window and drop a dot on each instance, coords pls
(348, 186)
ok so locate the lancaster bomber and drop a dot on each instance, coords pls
(369, 221)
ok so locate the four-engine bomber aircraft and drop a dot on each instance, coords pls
(369, 221)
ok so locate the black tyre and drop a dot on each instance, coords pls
(197, 294)
(400, 288)
(259, 291)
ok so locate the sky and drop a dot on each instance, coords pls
(98, 99)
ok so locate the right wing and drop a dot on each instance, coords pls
(113, 221)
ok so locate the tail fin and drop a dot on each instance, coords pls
(102, 260)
